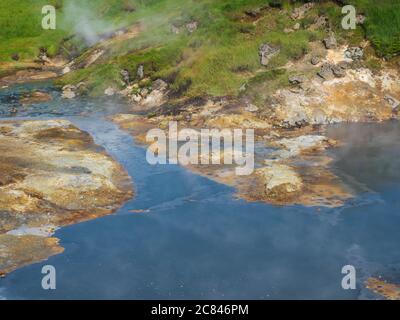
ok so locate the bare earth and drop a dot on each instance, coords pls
(51, 175)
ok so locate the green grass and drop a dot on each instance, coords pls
(21, 31)
(382, 26)
(215, 60)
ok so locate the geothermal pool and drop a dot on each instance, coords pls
(195, 240)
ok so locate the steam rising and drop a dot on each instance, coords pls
(85, 22)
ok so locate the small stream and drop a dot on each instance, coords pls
(197, 241)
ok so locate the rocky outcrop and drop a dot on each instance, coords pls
(297, 79)
(330, 42)
(326, 71)
(15, 56)
(52, 174)
(315, 60)
(360, 19)
(69, 91)
(267, 52)
(92, 58)
(151, 97)
(319, 23)
(110, 91)
(354, 53)
(125, 76)
(66, 69)
(140, 72)
(251, 107)
(329, 71)
(293, 147)
(253, 13)
(338, 71)
(393, 102)
(43, 57)
(342, 91)
(300, 12)
(281, 181)
(192, 26)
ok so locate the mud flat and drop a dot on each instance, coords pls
(51, 174)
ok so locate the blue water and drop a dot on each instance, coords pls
(197, 241)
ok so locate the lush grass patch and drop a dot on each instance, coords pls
(219, 57)
(382, 26)
(216, 59)
(21, 29)
(222, 54)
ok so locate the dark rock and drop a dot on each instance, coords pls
(69, 91)
(275, 4)
(266, 52)
(330, 42)
(42, 56)
(354, 53)
(125, 76)
(300, 12)
(319, 23)
(338, 71)
(140, 72)
(315, 60)
(253, 13)
(15, 56)
(360, 19)
(159, 84)
(144, 92)
(298, 120)
(326, 72)
(394, 103)
(344, 65)
(297, 79)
